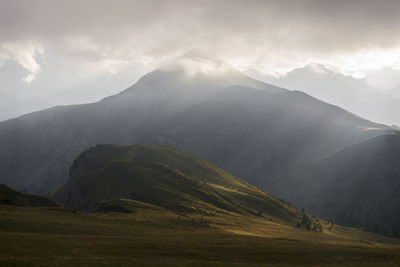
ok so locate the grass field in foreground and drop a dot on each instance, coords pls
(157, 237)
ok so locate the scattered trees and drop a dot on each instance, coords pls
(309, 223)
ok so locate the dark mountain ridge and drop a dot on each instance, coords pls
(356, 186)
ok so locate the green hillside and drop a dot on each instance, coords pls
(9, 196)
(160, 206)
(166, 177)
(99, 156)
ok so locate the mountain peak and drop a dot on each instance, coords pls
(199, 73)
(197, 62)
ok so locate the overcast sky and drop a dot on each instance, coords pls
(59, 52)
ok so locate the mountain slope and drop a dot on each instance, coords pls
(260, 136)
(167, 107)
(9, 196)
(263, 134)
(37, 149)
(165, 177)
(354, 95)
(366, 176)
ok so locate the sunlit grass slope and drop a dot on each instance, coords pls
(154, 236)
(166, 177)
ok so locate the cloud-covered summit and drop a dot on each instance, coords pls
(79, 51)
(270, 35)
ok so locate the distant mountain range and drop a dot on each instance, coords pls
(266, 135)
(355, 95)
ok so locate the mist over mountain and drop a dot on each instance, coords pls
(128, 117)
(354, 95)
(264, 134)
(364, 175)
(6, 104)
(12, 107)
(396, 91)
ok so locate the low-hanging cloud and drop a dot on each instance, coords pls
(270, 35)
(65, 52)
(25, 55)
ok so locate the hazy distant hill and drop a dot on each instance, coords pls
(352, 94)
(12, 107)
(358, 185)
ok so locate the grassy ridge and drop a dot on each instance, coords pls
(9, 196)
(166, 177)
(101, 155)
(161, 206)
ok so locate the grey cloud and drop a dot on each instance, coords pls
(122, 39)
(163, 26)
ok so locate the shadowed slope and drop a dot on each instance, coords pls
(166, 177)
(358, 185)
(238, 123)
(9, 196)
